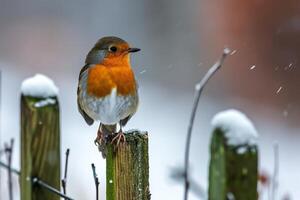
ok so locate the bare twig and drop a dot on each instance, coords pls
(198, 90)
(48, 187)
(9, 152)
(274, 183)
(64, 180)
(15, 171)
(96, 181)
(37, 181)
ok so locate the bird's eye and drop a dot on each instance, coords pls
(113, 49)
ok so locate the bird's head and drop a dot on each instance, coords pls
(110, 51)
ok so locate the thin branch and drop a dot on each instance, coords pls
(15, 171)
(9, 152)
(276, 172)
(96, 181)
(37, 181)
(198, 90)
(49, 188)
(64, 180)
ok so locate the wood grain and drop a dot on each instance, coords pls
(127, 169)
(40, 147)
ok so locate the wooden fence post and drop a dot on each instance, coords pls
(40, 138)
(233, 170)
(127, 169)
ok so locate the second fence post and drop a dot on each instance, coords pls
(127, 169)
(40, 138)
(233, 169)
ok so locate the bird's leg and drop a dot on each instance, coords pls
(119, 138)
(100, 136)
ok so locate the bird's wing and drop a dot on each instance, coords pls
(124, 121)
(87, 118)
(94, 56)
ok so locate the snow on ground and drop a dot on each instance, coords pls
(237, 127)
(39, 86)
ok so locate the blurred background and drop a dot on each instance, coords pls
(180, 40)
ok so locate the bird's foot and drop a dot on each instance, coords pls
(99, 139)
(119, 139)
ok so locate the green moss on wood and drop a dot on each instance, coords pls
(40, 147)
(232, 174)
(127, 169)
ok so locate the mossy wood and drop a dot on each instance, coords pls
(233, 170)
(40, 147)
(127, 173)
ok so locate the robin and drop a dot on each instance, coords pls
(107, 89)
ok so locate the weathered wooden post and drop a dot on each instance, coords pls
(40, 138)
(127, 169)
(234, 158)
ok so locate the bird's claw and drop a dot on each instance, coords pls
(97, 142)
(99, 139)
(119, 139)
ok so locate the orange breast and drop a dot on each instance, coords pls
(102, 79)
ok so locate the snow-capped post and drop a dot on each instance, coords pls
(233, 166)
(127, 169)
(40, 138)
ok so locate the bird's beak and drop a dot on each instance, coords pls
(132, 50)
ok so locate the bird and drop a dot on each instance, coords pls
(107, 89)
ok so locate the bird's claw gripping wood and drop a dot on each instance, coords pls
(99, 140)
(120, 138)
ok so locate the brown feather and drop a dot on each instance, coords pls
(87, 118)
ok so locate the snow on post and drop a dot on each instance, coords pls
(234, 157)
(39, 86)
(40, 137)
(236, 126)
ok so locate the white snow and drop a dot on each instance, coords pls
(197, 87)
(252, 67)
(45, 102)
(226, 51)
(39, 86)
(143, 71)
(233, 52)
(238, 129)
(242, 150)
(279, 89)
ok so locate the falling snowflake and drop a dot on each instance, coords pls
(279, 89)
(252, 67)
(233, 52)
(142, 72)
